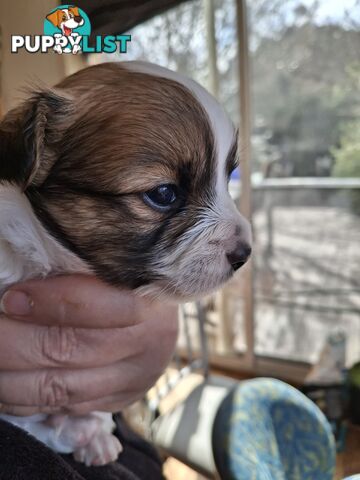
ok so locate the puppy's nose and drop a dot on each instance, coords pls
(78, 19)
(239, 256)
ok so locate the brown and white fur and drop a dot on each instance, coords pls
(66, 19)
(79, 165)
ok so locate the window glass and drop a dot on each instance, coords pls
(306, 105)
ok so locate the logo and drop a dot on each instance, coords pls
(67, 29)
(68, 26)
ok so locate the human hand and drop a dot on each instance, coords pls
(74, 344)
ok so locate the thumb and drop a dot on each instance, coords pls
(74, 300)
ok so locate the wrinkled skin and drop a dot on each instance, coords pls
(82, 346)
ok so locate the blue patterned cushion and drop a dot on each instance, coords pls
(268, 430)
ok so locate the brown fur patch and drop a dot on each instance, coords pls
(128, 133)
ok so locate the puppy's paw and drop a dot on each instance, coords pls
(58, 49)
(75, 431)
(103, 448)
(76, 49)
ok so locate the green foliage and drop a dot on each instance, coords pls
(306, 82)
(347, 156)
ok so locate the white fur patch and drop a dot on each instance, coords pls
(26, 249)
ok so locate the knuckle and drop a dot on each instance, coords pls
(58, 345)
(53, 390)
(67, 307)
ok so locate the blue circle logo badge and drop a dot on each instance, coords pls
(67, 24)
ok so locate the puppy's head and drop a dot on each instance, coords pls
(128, 167)
(66, 19)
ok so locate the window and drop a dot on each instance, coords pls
(306, 103)
(305, 162)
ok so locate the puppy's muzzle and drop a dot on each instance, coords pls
(238, 257)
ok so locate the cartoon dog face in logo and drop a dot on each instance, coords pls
(66, 19)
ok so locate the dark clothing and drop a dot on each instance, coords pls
(22, 457)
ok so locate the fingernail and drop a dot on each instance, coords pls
(16, 303)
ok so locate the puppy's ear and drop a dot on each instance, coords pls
(75, 11)
(28, 136)
(54, 17)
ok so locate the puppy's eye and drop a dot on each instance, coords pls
(234, 173)
(162, 197)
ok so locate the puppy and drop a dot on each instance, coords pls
(120, 171)
(66, 19)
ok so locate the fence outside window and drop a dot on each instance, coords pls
(288, 74)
